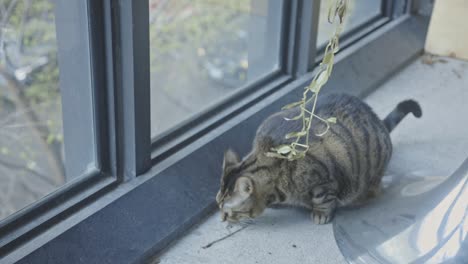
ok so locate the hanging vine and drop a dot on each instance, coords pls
(299, 147)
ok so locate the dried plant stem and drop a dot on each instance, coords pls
(299, 147)
(225, 237)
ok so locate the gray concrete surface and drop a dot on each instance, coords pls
(436, 144)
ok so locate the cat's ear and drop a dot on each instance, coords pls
(230, 158)
(245, 186)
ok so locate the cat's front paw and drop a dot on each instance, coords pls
(321, 218)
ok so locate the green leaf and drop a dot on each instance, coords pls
(284, 149)
(322, 78)
(314, 87)
(50, 138)
(5, 151)
(275, 155)
(59, 138)
(293, 118)
(23, 155)
(296, 156)
(332, 120)
(31, 165)
(324, 132)
(328, 58)
(292, 105)
(295, 134)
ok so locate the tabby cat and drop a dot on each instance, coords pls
(343, 167)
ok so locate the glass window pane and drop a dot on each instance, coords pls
(204, 50)
(360, 12)
(31, 141)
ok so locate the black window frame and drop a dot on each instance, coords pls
(37, 217)
(143, 194)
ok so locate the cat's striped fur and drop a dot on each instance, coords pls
(342, 167)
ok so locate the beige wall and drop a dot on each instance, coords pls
(448, 29)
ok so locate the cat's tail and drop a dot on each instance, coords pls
(402, 109)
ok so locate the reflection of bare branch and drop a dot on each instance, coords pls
(23, 22)
(10, 188)
(19, 125)
(2, 9)
(21, 181)
(174, 100)
(14, 137)
(12, 118)
(13, 166)
(40, 132)
(157, 9)
(31, 190)
(14, 115)
(7, 12)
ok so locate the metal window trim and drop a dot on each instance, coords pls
(76, 86)
(38, 217)
(298, 36)
(132, 85)
(355, 34)
(306, 26)
(147, 199)
(116, 77)
(191, 131)
(167, 142)
(389, 11)
(396, 8)
(82, 89)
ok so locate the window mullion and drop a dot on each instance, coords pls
(130, 43)
(75, 86)
(395, 8)
(308, 23)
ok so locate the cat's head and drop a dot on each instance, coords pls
(240, 196)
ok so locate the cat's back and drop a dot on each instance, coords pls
(346, 108)
(350, 112)
(356, 149)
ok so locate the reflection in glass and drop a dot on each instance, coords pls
(31, 156)
(359, 13)
(203, 51)
(429, 227)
